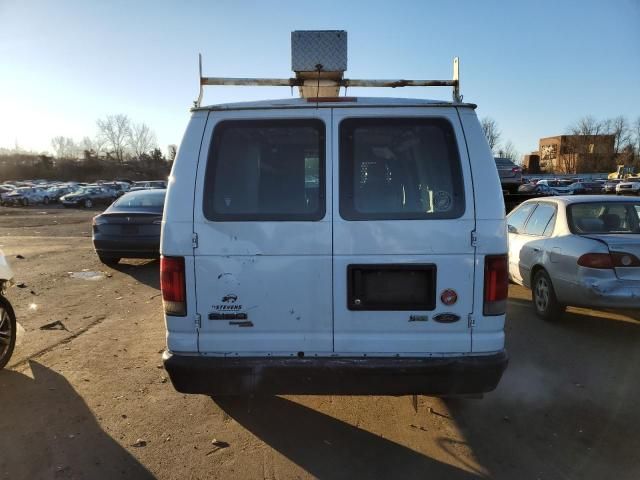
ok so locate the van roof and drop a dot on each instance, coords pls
(339, 102)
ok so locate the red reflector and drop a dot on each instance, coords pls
(449, 296)
(496, 284)
(173, 286)
(595, 260)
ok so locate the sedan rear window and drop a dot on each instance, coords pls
(504, 162)
(604, 217)
(399, 168)
(141, 199)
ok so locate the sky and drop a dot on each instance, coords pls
(535, 67)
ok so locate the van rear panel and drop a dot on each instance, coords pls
(403, 198)
(337, 232)
(263, 221)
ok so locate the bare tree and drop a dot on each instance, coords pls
(95, 145)
(619, 127)
(141, 139)
(64, 147)
(508, 150)
(115, 131)
(587, 125)
(491, 131)
(173, 151)
(636, 137)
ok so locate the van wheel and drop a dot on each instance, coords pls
(544, 298)
(110, 261)
(7, 331)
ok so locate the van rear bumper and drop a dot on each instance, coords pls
(463, 375)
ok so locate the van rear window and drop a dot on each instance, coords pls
(399, 168)
(266, 170)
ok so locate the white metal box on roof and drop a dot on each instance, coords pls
(311, 48)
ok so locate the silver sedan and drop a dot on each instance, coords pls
(581, 250)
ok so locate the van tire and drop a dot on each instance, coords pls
(544, 299)
(8, 314)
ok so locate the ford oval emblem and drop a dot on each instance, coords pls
(446, 318)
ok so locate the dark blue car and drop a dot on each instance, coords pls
(130, 227)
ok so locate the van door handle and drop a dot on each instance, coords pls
(536, 249)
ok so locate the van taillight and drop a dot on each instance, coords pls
(173, 286)
(496, 284)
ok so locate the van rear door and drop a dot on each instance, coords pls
(263, 226)
(403, 210)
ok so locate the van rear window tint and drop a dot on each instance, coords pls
(399, 168)
(266, 170)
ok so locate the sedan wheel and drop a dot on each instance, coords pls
(544, 298)
(45, 200)
(88, 203)
(25, 202)
(7, 332)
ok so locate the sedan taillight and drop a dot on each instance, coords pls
(172, 284)
(608, 260)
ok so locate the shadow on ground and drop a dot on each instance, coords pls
(329, 448)
(47, 431)
(567, 404)
(146, 272)
(566, 408)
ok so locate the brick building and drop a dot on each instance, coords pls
(573, 154)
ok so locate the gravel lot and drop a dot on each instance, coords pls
(91, 400)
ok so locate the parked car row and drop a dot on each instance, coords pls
(35, 192)
(558, 186)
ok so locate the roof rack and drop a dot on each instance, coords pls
(319, 59)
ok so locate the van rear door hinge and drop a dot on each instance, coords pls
(198, 320)
(471, 322)
(194, 240)
(474, 238)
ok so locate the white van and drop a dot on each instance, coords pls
(334, 246)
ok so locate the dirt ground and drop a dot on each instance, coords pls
(89, 399)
